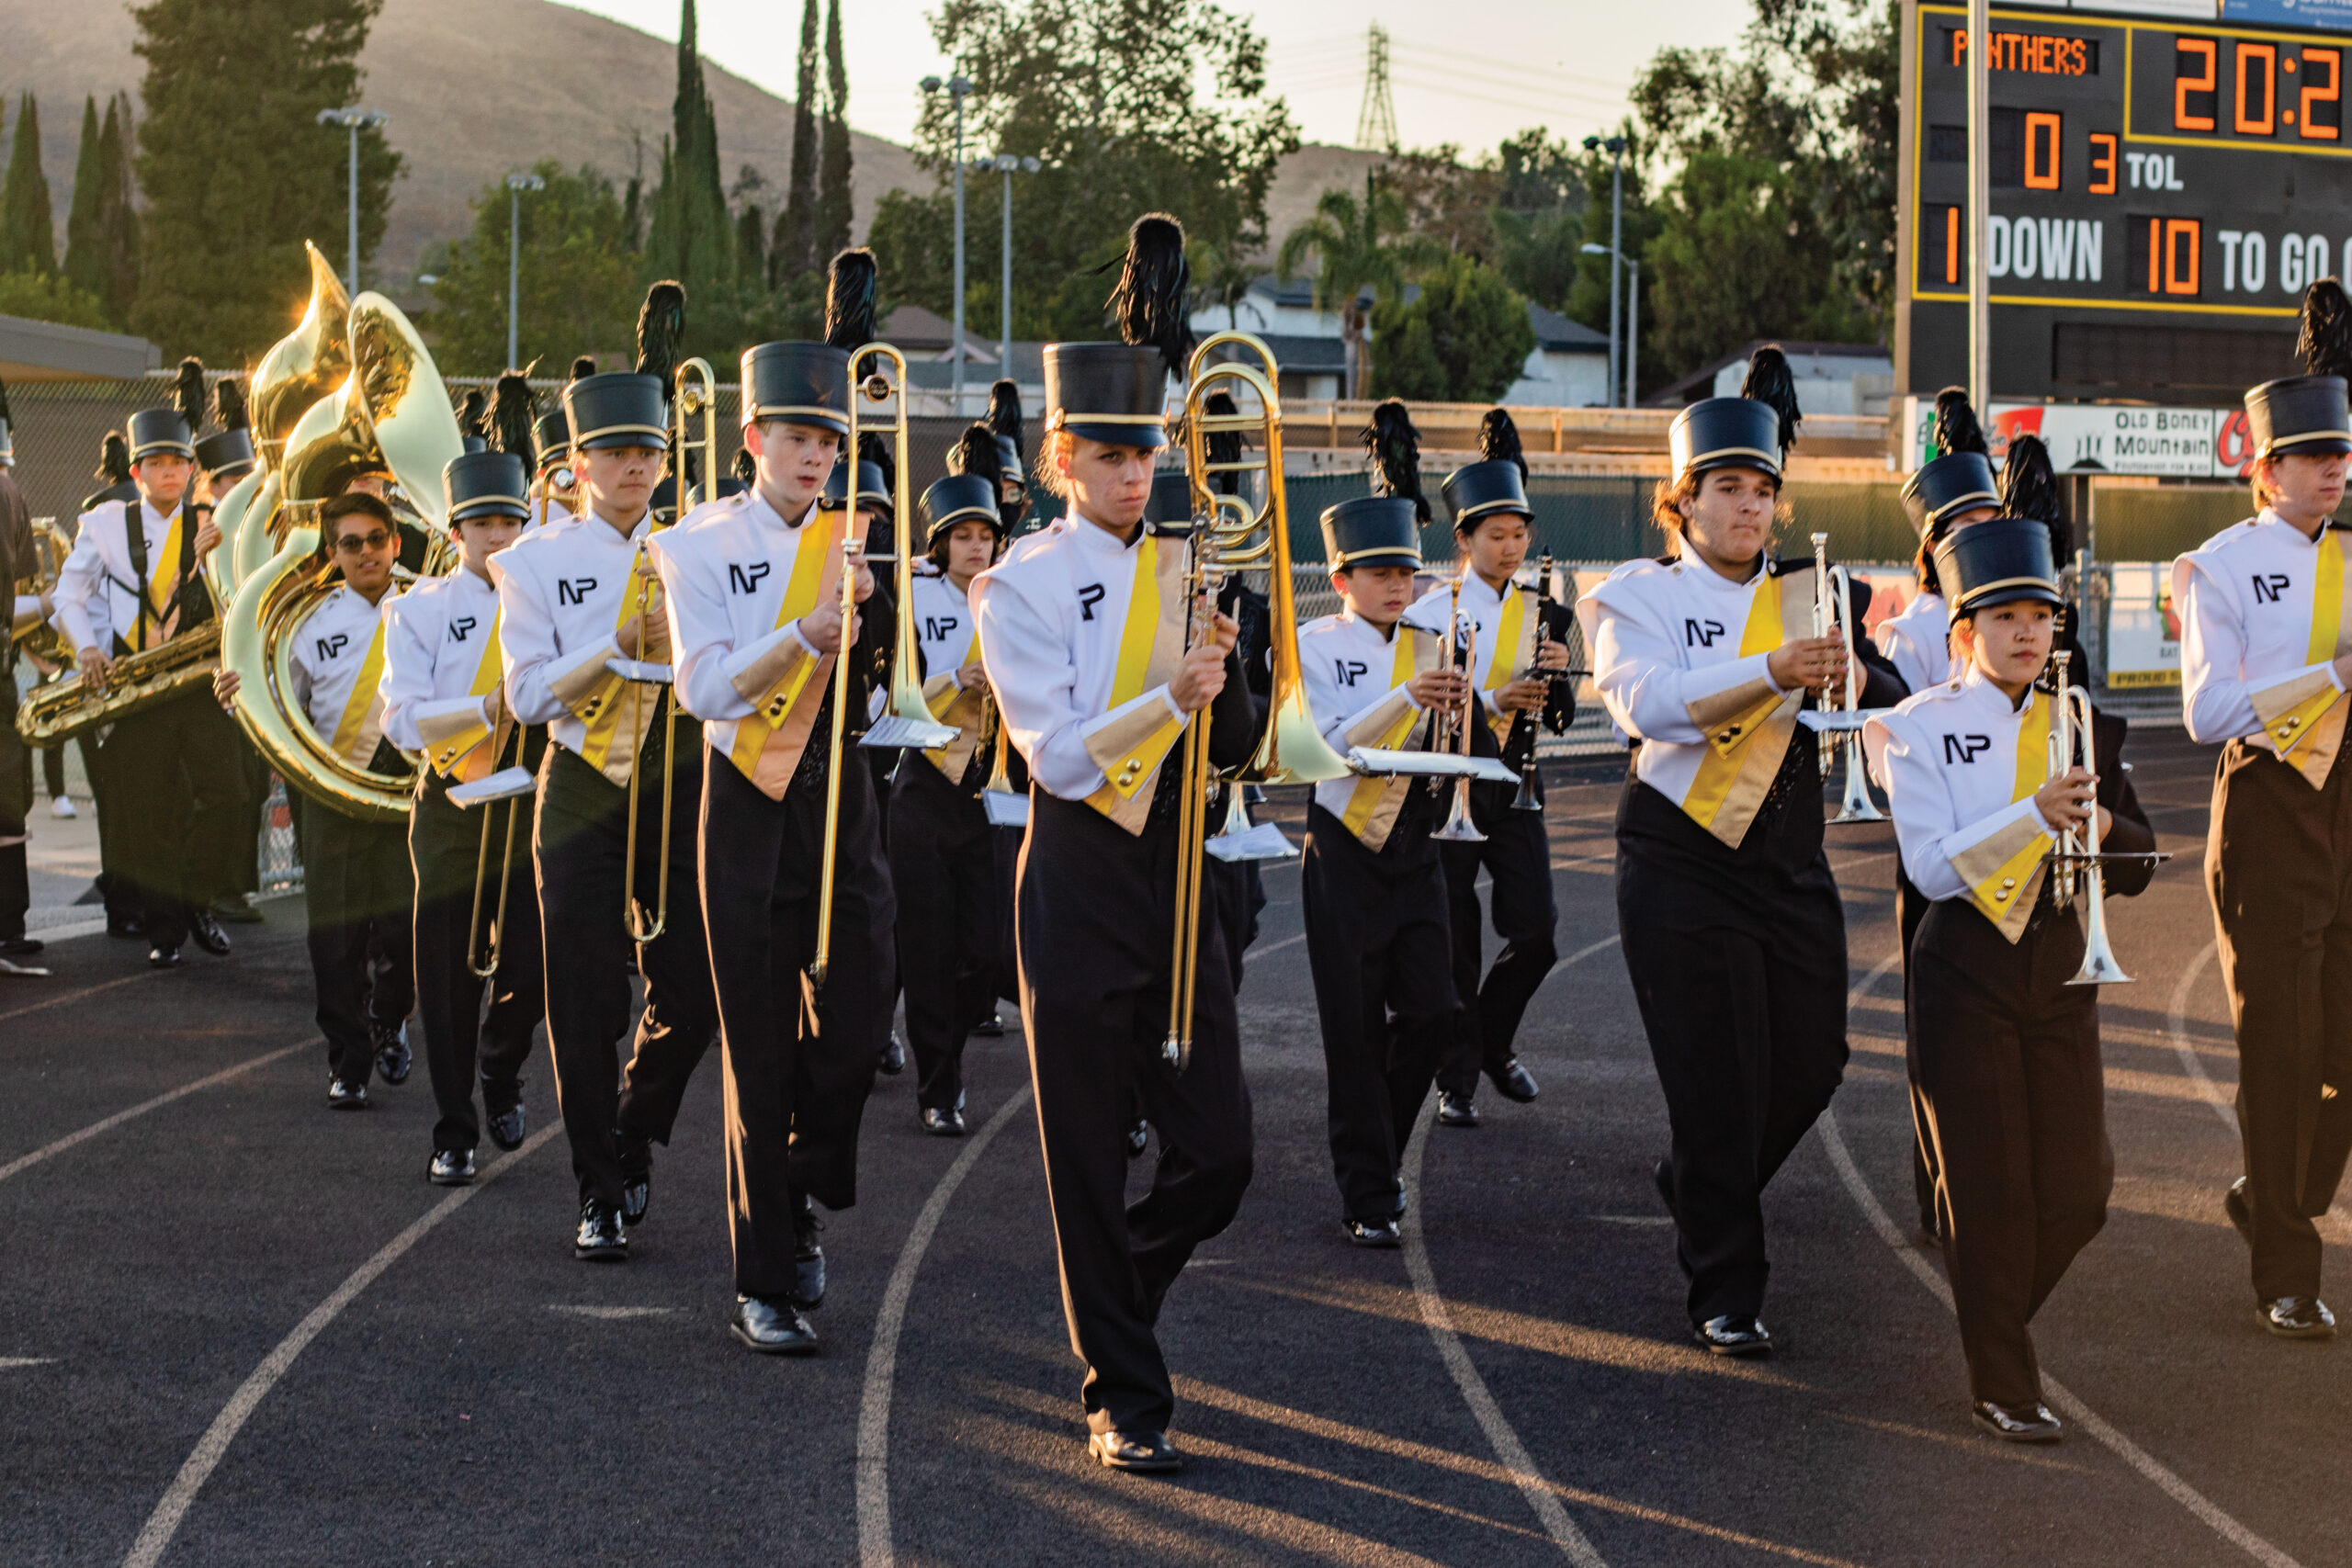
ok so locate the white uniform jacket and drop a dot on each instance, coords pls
(441, 665)
(96, 598)
(1917, 642)
(946, 636)
(1506, 620)
(564, 589)
(2262, 621)
(1356, 676)
(336, 662)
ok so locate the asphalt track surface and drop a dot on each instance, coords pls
(236, 1329)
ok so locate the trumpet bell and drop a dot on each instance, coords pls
(1857, 805)
(1459, 829)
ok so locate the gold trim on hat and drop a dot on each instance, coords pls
(1059, 417)
(1978, 590)
(588, 435)
(1770, 459)
(759, 412)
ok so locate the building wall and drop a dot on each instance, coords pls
(1560, 379)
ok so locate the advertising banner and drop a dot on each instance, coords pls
(2093, 438)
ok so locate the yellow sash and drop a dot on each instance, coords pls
(1363, 816)
(163, 582)
(768, 744)
(1744, 752)
(460, 756)
(1151, 644)
(1503, 664)
(362, 724)
(958, 703)
(2308, 733)
(2005, 895)
(606, 747)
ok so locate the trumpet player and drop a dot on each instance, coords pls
(1085, 630)
(1373, 887)
(445, 699)
(574, 594)
(1980, 772)
(753, 585)
(2266, 658)
(1522, 638)
(1733, 932)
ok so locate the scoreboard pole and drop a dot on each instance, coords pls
(1980, 208)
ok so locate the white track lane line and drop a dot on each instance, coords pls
(26, 1162)
(2074, 1410)
(873, 1549)
(65, 996)
(165, 1522)
(2176, 1027)
(1500, 1435)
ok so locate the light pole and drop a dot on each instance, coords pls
(354, 120)
(958, 87)
(1632, 318)
(1615, 145)
(516, 185)
(1006, 163)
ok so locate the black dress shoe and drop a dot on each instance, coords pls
(1736, 1334)
(1138, 1137)
(636, 1175)
(1380, 1233)
(2017, 1423)
(1455, 1110)
(164, 957)
(808, 1257)
(1512, 1081)
(451, 1168)
(1147, 1452)
(208, 933)
(504, 1126)
(342, 1095)
(20, 947)
(949, 1123)
(771, 1328)
(394, 1058)
(235, 912)
(600, 1238)
(2240, 1209)
(991, 1027)
(894, 1056)
(2298, 1318)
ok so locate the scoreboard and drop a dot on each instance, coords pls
(2163, 189)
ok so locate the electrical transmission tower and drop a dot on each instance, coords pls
(1376, 121)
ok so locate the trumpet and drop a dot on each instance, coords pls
(906, 720)
(1459, 828)
(2075, 858)
(1833, 610)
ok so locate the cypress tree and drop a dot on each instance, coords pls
(751, 243)
(85, 266)
(833, 212)
(117, 218)
(692, 238)
(795, 249)
(235, 168)
(28, 239)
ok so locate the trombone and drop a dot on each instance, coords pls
(1832, 605)
(906, 721)
(1203, 577)
(853, 556)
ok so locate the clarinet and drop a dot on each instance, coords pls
(1522, 724)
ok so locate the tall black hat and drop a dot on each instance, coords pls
(2306, 414)
(1960, 477)
(2030, 489)
(1117, 392)
(1385, 527)
(495, 480)
(876, 471)
(552, 434)
(1005, 424)
(969, 491)
(229, 453)
(159, 433)
(1754, 430)
(1997, 561)
(1496, 483)
(807, 383)
(8, 440)
(624, 408)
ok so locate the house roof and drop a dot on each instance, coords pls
(1701, 383)
(44, 351)
(915, 330)
(1554, 333)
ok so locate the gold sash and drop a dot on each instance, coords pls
(2302, 719)
(791, 685)
(362, 724)
(607, 747)
(1748, 726)
(163, 583)
(957, 703)
(2003, 872)
(1151, 645)
(1514, 649)
(460, 755)
(1374, 803)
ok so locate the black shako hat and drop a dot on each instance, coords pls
(160, 433)
(1754, 430)
(1960, 477)
(1385, 527)
(1498, 482)
(2306, 414)
(485, 484)
(969, 491)
(632, 408)
(1997, 561)
(875, 479)
(1117, 392)
(229, 454)
(807, 383)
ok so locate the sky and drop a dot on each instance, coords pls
(1561, 63)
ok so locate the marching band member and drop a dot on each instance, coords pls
(555, 490)
(1373, 887)
(1492, 524)
(356, 884)
(572, 595)
(130, 583)
(228, 456)
(2265, 656)
(224, 459)
(1082, 629)
(1731, 929)
(2004, 1051)
(1012, 462)
(444, 698)
(944, 859)
(28, 606)
(754, 589)
(125, 919)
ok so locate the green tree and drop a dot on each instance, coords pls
(833, 208)
(28, 239)
(1448, 200)
(751, 241)
(795, 227)
(237, 172)
(85, 264)
(117, 212)
(580, 286)
(48, 296)
(692, 236)
(1364, 250)
(1464, 339)
(1539, 217)
(914, 267)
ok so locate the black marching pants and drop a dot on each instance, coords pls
(796, 1095)
(952, 933)
(1377, 948)
(359, 891)
(16, 805)
(2278, 865)
(444, 846)
(579, 846)
(1518, 855)
(1910, 908)
(1097, 907)
(175, 784)
(2005, 1074)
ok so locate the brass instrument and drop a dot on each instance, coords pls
(1202, 576)
(2075, 860)
(906, 721)
(640, 929)
(695, 391)
(136, 682)
(38, 639)
(514, 784)
(853, 551)
(1459, 829)
(229, 514)
(299, 370)
(1004, 806)
(1833, 611)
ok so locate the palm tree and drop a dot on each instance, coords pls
(1221, 276)
(1363, 250)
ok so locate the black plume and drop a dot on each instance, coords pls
(584, 366)
(229, 405)
(660, 327)
(975, 452)
(1499, 440)
(2325, 343)
(875, 448)
(2030, 489)
(1768, 381)
(1395, 449)
(849, 299)
(469, 409)
(508, 426)
(745, 468)
(1224, 445)
(1155, 290)
(114, 459)
(1004, 413)
(187, 392)
(1956, 429)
